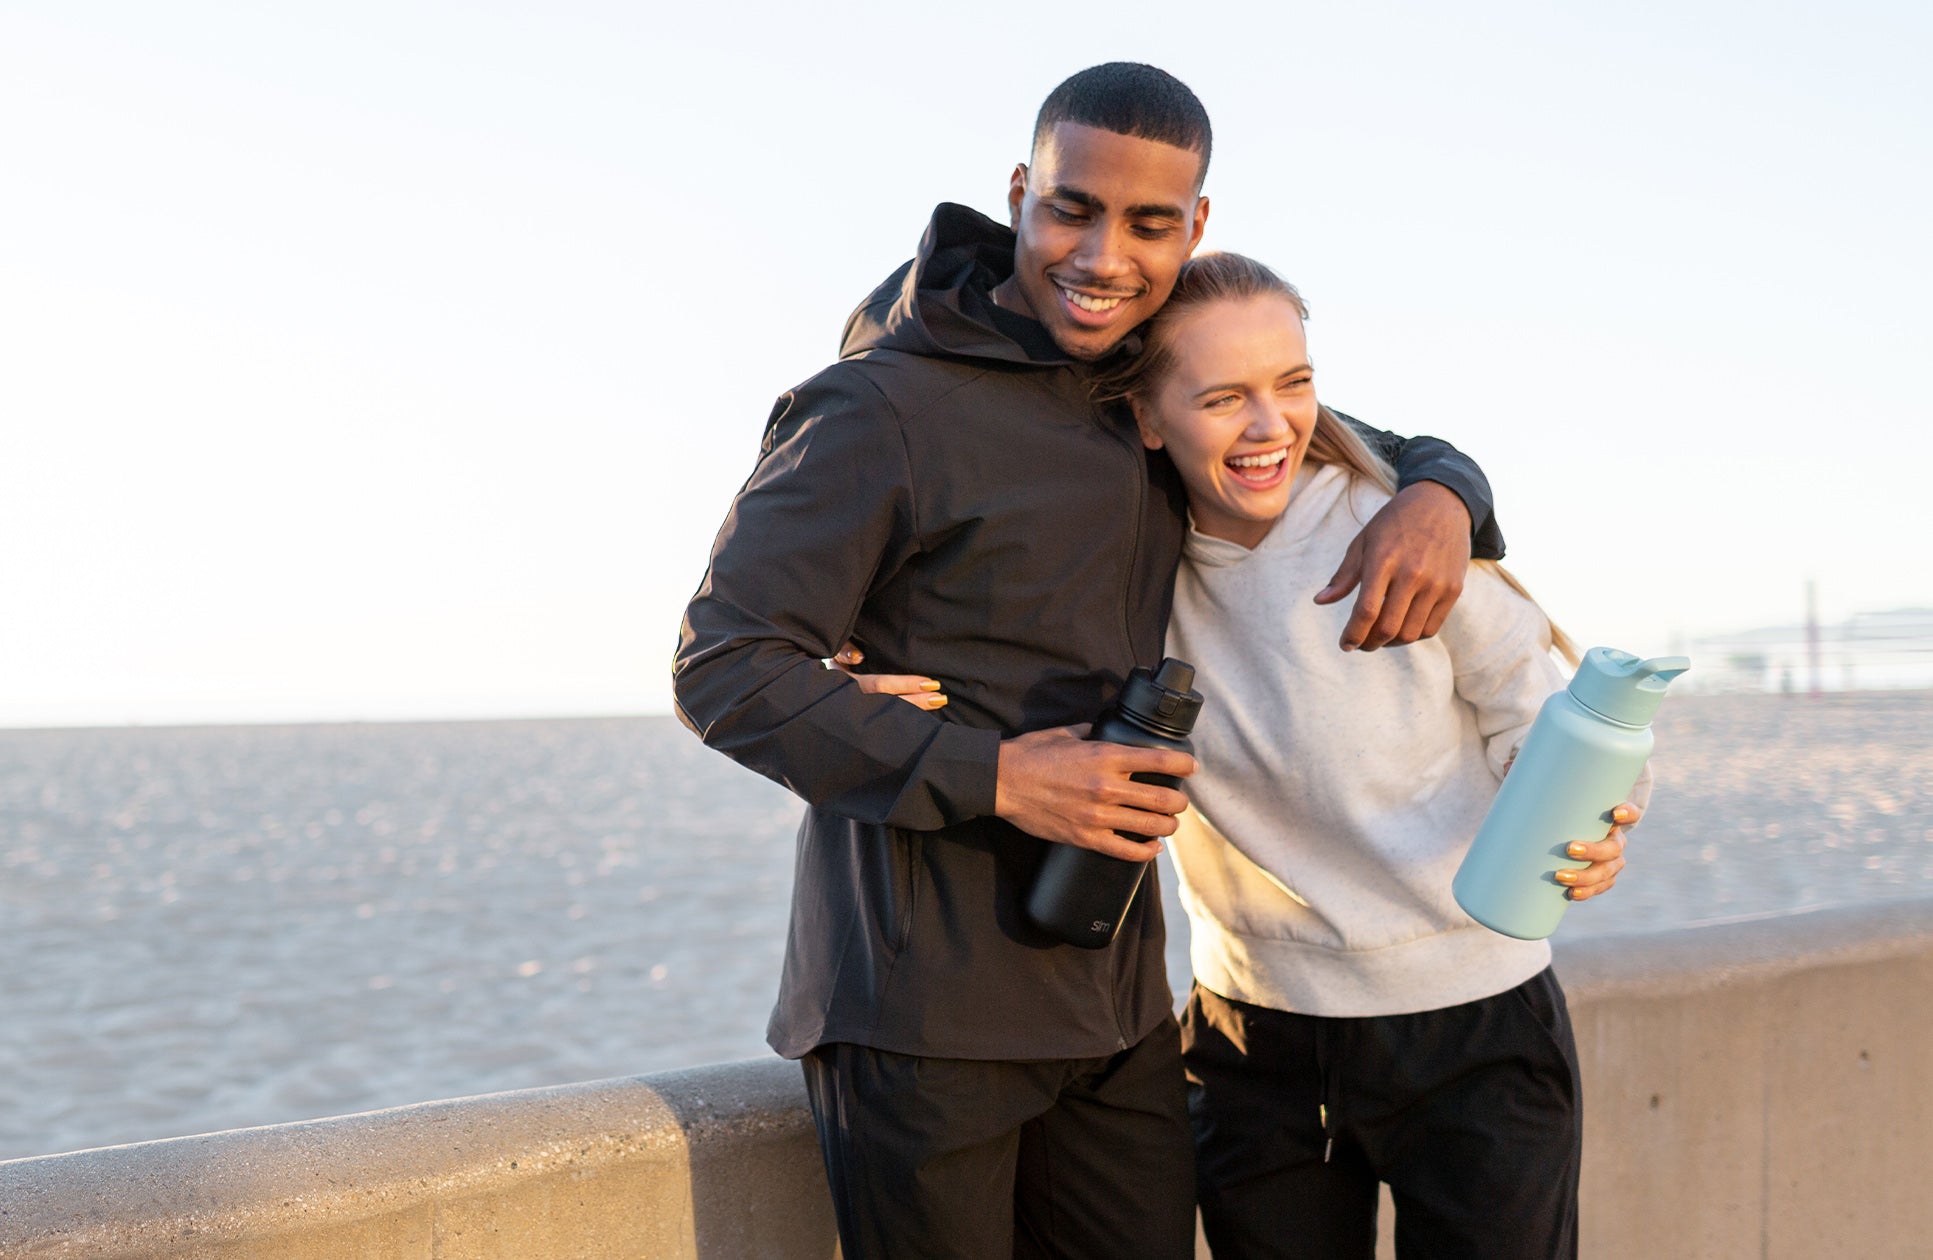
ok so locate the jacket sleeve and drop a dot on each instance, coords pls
(1432, 459)
(828, 511)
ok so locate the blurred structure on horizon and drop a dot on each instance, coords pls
(1869, 651)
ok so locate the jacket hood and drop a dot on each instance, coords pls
(938, 303)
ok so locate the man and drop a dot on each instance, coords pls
(948, 497)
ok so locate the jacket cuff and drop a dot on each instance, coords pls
(961, 768)
(1486, 540)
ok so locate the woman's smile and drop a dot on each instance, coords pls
(1262, 469)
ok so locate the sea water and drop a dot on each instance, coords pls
(208, 928)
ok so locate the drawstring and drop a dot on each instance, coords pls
(1323, 1076)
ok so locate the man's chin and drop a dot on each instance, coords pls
(1091, 347)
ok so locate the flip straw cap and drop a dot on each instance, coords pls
(1623, 688)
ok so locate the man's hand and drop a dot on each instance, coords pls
(1606, 857)
(1056, 785)
(1410, 561)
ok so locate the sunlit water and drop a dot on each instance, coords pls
(210, 928)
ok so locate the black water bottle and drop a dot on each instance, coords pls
(1079, 895)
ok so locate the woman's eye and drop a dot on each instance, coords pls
(1224, 401)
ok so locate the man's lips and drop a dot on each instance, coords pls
(1094, 309)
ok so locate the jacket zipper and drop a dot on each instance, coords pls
(1140, 462)
(1140, 474)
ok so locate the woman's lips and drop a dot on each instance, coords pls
(1259, 469)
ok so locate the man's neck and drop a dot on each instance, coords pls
(1007, 296)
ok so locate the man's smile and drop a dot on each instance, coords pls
(1090, 307)
(1093, 301)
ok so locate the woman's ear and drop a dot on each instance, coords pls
(1144, 421)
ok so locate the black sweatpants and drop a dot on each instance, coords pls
(1470, 1113)
(965, 1159)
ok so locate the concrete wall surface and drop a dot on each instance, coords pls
(1760, 1089)
(715, 1161)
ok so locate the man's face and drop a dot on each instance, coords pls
(1104, 222)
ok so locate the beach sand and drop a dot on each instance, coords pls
(218, 927)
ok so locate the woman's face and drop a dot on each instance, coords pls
(1235, 412)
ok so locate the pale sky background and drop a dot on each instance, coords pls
(384, 360)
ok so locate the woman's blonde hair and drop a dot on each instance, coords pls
(1223, 277)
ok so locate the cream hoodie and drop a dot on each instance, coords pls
(1338, 791)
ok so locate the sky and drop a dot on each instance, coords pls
(372, 361)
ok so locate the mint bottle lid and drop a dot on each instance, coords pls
(1623, 688)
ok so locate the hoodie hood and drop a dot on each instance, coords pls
(940, 303)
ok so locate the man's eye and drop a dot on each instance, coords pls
(1153, 231)
(1064, 215)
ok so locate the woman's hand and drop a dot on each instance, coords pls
(915, 689)
(1606, 857)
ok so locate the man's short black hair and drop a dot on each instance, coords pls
(1130, 99)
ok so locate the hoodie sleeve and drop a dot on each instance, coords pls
(1432, 459)
(827, 512)
(1500, 644)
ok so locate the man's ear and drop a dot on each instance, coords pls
(1144, 423)
(1201, 224)
(1016, 193)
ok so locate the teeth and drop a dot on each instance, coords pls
(1087, 303)
(1258, 461)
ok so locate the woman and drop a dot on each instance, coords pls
(1348, 1025)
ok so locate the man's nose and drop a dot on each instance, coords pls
(1103, 252)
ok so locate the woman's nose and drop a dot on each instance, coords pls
(1268, 423)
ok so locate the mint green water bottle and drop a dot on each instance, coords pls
(1581, 759)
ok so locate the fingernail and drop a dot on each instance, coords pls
(1576, 849)
(1620, 814)
(929, 686)
(1567, 877)
(936, 702)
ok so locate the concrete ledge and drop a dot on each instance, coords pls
(1754, 1089)
(1679, 962)
(716, 1161)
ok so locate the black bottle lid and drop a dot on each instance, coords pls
(1164, 701)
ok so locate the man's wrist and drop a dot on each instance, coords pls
(1441, 493)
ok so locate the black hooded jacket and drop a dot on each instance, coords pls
(948, 497)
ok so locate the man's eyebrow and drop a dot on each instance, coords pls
(1061, 192)
(1152, 210)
